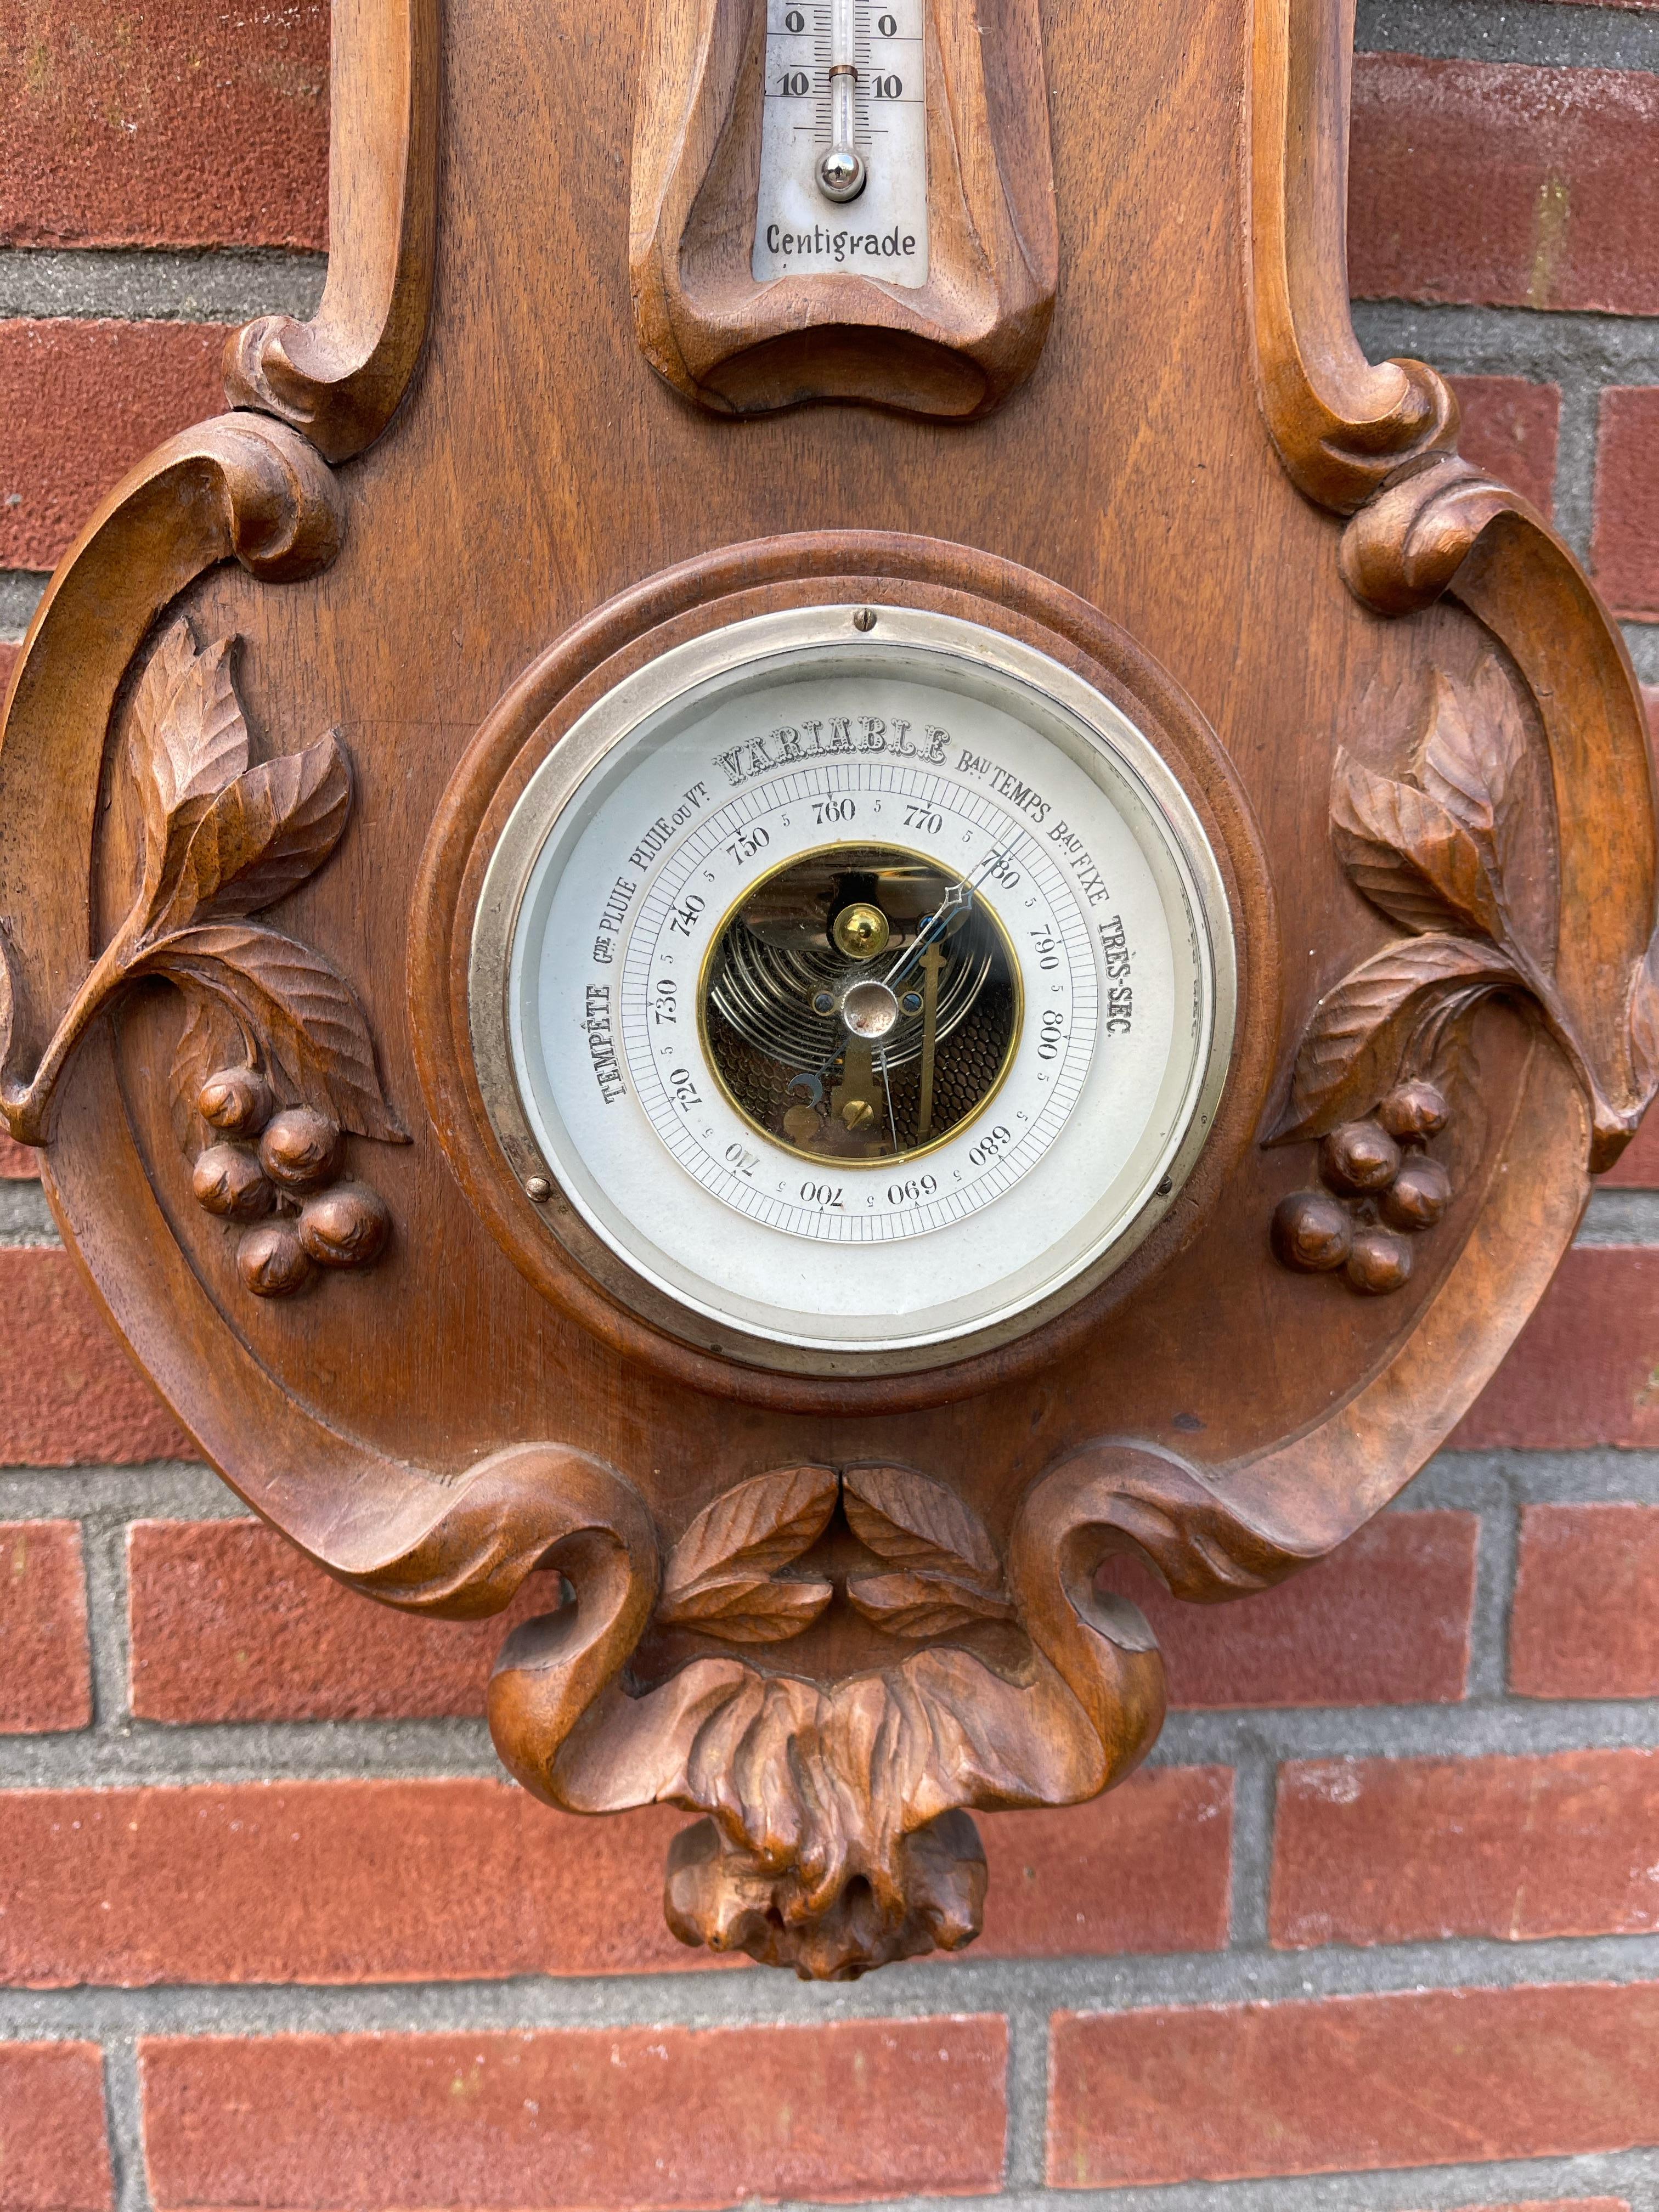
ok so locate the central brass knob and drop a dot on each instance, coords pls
(861, 931)
(870, 1009)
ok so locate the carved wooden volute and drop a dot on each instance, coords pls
(805, 1019)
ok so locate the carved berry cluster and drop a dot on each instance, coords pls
(279, 1173)
(1380, 1188)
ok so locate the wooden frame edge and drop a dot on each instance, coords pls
(1341, 423)
(341, 378)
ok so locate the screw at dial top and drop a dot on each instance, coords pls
(865, 618)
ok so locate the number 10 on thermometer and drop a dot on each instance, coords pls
(844, 142)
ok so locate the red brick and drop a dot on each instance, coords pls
(1495, 183)
(1585, 1369)
(1378, 1851)
(229, 1622)
(1625, 550)
(54, 2154)
(325, 1882)
(1440, 2077)
(1146, 1867)
(80, 403)
(1384, 1620)
(626, 2118)
(1512, 429)
(1638, 1168)
(1585, 1620)
(69, 1394)
(164, 123)
(18, 1162)
(46, 1667)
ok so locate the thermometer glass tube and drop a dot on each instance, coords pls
(841, 172)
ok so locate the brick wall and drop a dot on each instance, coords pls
(1380, 1927)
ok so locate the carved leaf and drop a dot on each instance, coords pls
(188, 741)
(1472, 753)
(1355, 1042)
(210, 1041)
(906, 1517)
(262, 836)
(755, 1528)
(921, 1603)
(300, 1007)
(719, 1576)
(1409, 854)
(1644, 1021)
(746, 1608)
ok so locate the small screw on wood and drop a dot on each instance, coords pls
(539, 1189)
(865, 618)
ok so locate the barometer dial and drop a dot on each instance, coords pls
(866, 982)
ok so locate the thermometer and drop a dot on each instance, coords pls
(841, 173)
(843, 184)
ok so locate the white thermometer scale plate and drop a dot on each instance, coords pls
(883, 233)
(675, 800)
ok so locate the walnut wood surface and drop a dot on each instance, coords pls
(1162, 499)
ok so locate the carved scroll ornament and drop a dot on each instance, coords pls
(341, 378)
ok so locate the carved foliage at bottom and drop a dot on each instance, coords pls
(836, 1835)
(931, 1898)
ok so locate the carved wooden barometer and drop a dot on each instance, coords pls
(818, 868)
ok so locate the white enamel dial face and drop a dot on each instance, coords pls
(867, 994)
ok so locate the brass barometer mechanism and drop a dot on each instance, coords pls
(859, 1004)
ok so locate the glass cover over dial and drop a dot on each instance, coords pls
(865, 982)
(860, 1004)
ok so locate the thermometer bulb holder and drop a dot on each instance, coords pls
(842, 174)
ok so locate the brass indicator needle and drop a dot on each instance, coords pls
(851, 1096)
(868, 1012)
(932, 961)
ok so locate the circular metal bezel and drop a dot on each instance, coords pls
(1080, 720)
